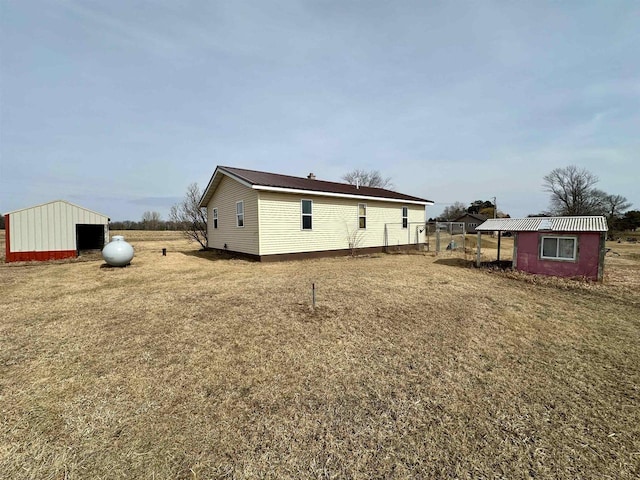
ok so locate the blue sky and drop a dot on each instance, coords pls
(119, 105)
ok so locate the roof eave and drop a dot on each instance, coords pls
(55, 201)
(322, 193)
(212, 185)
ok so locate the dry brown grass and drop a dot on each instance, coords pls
(411, 366)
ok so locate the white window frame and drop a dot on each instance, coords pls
(214, 215)
(362, 216)
(405, 217)
(302, 214)
(240, 214)
(557, 238)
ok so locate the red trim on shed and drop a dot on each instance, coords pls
(41, 256)
(30, 256)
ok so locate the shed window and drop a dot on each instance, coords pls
(559, 248)
(240, 213)
(405, 217)
(307, 214)
(362, 215)
(215, 218)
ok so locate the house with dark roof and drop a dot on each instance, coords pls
(269, 216)
(471, 221)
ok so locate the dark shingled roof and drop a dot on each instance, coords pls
(477, 216)
(300, 183)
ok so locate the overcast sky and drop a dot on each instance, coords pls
(119, 105)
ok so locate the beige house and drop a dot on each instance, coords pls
(269, 216)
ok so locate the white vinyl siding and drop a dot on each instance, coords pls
(224, 198)
(558, 248)
(334, 222)
(50, 227)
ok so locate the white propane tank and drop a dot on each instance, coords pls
(117, 252)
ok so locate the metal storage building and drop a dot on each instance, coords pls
(53, 231)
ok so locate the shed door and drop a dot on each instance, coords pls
(89, 237)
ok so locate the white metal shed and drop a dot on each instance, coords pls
(53, 231)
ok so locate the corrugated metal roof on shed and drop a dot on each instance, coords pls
(533, 224)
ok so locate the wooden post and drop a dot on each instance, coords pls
(499, 236)
(313, 294)
(478, 249)
(603, 251)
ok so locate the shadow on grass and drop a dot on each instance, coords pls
(214, 256)
(461, 262)
(455, 262)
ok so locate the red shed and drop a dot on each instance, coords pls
(559, 246)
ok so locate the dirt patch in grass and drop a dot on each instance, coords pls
(409, 367)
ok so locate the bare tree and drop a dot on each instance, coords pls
(367, 178)
(572, 191)
(190, 216)
(151, 220)
(615, 206)
(451, 212)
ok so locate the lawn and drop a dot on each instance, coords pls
(194, 366)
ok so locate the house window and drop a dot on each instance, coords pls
(559, 248)
(307, 214)
(215, 218)
(362, 215)
(240, 213)
(405, 217)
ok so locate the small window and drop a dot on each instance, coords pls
(307, 214)
(215, 218)
(559, 248)
(405, 217)
(362, 215)
(240, 213)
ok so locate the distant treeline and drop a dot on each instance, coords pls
(630, 221)
(148, 225)
(142, 225)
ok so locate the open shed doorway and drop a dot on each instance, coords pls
(89, 237)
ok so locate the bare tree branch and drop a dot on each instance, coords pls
(191, 218)
(572, 191)
(615, 206)
(454, 211)
(151, 220)
(367, 178)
